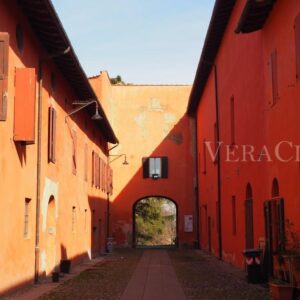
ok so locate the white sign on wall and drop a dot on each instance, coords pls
(188, 223)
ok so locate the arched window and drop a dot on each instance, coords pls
(249, 191)
(275, 188)
(249, 228)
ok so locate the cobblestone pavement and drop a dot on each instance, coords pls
(160, 274)
(204, 277)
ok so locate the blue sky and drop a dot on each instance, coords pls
(143, 41)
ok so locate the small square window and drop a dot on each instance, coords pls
(155, 167)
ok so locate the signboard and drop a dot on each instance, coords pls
(188, 223)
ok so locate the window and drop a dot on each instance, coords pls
(297, 45)
(26, 217)
(73, 218)
(232, 121)
(93, 168)
(233, 204)
(85, 161)
(52, 135)
(155, 167)
(4, 43)
(25, 96)
(274, 77)
(74, 162)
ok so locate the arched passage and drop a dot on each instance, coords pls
(155, 222)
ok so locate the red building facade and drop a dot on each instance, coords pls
(245, 101)
(54, 196)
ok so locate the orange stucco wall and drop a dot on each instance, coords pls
(149, 121)
(60, 237)
(243, 73)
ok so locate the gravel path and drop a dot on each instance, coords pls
(204, 277)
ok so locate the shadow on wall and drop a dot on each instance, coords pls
(98, 208)
(178, 186)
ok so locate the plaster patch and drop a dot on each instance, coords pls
(50, 189)
(170, 118)
(43, 261)
(140, 119)
(155, 104)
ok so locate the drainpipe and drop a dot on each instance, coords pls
(38, 177)
(108, 203)
(196, 189)
(218, 164)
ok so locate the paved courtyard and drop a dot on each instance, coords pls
(151, 275)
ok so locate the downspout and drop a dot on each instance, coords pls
(108, 203)
(196, 188)
(218, 164)
(38, 176)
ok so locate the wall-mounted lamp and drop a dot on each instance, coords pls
(117, 156)
(82, 105)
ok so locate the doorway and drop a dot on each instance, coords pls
(51, 237)
(155, 223)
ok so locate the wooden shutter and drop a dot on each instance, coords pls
(4, 47)
(145, 162)
(274, 76)
(93, 168)
(97, 171)
(164, 167)
(24, 112)
(249, 223)
(52, 135)
(297, 45)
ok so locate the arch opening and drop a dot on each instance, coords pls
(155, 222)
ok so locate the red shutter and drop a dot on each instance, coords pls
(52, 135)
(164, 167)
(24, 118)
(145, 162)
(50, 127)
(105, 177)
(93, 168)
(297, 45)
(85, 162)
(274, 76)
(4, 46)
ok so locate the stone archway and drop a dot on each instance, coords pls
(51, 237)
(155, 222)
